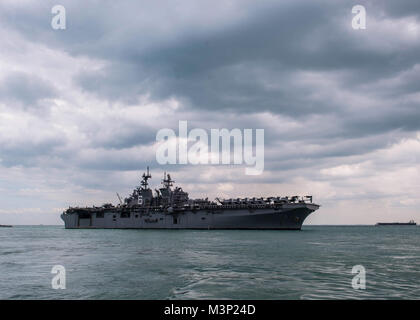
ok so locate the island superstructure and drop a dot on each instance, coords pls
(170, 208)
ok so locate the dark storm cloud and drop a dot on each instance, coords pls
(298, 59)
(405, 117)
(121, 136)
(235, 69)
(250, 67)
(246, 67)
(29, 153)
(25, 89)
(338, 106)
(406, 8)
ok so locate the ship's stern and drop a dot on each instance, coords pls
(70, 220)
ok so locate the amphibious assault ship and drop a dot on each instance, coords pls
(171, 208)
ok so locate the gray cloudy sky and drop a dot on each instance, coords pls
(80, 108)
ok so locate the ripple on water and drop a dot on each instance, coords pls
(149, 264)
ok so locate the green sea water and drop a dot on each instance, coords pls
(314, 263)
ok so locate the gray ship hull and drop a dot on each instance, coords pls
(288, 217)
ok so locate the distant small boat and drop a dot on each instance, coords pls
(5, 226)
(410, 223)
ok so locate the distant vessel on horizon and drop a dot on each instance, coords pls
(410, 223)
(5, 226)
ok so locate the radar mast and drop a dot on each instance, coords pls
(167, 181)
(144, 183)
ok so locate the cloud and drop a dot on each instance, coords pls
(80, 108)
(27, 90)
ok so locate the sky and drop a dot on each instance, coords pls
(80, 107)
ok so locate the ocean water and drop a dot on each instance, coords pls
(314, 263)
